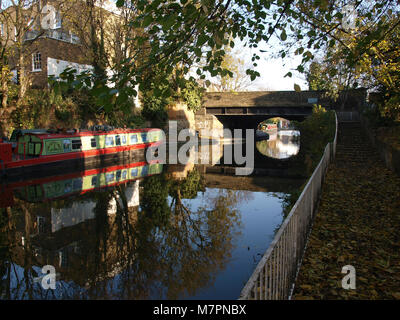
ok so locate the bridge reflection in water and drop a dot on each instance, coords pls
(139, 231)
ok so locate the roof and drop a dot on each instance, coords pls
(89, 133)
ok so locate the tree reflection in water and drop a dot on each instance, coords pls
(160, 249)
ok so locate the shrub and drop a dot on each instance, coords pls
(315, 132)
(155, 105)
(192, 95)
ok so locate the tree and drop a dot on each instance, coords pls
(102, 31)
(17, 19)
(237, 79)
(317, 78)
(333, 76)
(377, 67)
(380, 66)
(178, 35)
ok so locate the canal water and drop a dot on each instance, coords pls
(139, 231)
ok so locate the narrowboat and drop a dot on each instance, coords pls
(38, 152)
(268, 127)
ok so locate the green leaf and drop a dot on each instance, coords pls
(283, 35)
(147, 21)
(169, 22)
(289, 74)
(202, 39)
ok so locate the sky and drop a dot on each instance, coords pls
(273, 72)
(272, 69)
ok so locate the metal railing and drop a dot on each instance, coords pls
(276, 272)
(57, 34)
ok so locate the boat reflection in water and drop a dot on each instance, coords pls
(281, 144)
(62, 217)
(112, 235)
(82, 182)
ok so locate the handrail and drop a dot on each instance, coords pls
(276, 272)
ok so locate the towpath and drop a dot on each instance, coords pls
(357, 224)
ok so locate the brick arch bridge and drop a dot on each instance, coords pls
(245, 110)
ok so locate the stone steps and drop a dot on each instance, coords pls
(353, 147)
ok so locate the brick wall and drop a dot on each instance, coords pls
(56, 49)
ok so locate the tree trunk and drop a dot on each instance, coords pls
(4, 87)
(23, 80)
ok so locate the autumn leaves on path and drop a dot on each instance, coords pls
(357, 223)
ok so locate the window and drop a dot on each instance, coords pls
(94, 181)
(58, 21)
(110, 177)
(67, 145)
(118, 175)
(134, 172)
(76, 144)
(68, 187)
(134, 139)
(144, 137)
(41, 224)
(109, 141)
(36, 62)
(74, 38)
(2, 29)
(123, 137)
(63, 258)
(93, 143)
(78, 184)
(117, 140)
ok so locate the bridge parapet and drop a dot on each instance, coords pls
(349, 99)
(264, 99)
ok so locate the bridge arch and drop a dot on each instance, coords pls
(245, 121)
(283, 140)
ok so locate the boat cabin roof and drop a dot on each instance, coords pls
(61, 135)
(20, 132)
